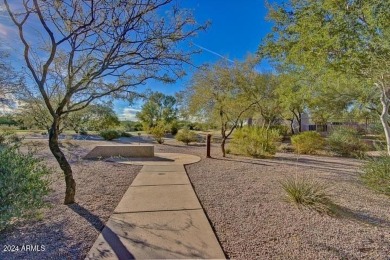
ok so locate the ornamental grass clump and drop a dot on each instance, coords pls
(376, 174)
(345, 141)
(255, 141)
(307, 193)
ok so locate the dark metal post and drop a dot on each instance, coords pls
(208, 145)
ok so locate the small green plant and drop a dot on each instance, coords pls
(345, 141)
(306, 193)
(255, 141)
(109, 134)
(23, 185)
(308, 142)
(376, 174)
(158, 133)
(186, 136)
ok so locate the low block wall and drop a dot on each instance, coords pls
(105, 151)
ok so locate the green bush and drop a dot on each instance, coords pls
(306, 193)
(174, 128)
(254, 141)
(23, 185)
(186, 136)
(345, 141)
(308, 142)
(110, 134)
(283, 129)
(158, 133)
(376, 174)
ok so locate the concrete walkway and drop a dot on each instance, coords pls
(159, 216)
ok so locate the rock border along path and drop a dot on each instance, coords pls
(159, 216)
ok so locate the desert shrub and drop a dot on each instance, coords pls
(158, 133)
(23, 185)
(186, 136)
(254, 141)
(307, 142)
(307, 193)
(345, 141)
(110, 134)
(376, 174)
(125, 134)
(83, 132)
(283, 129)
(174, 128)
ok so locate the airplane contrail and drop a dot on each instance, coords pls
(212, 52)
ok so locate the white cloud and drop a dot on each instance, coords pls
(128, 114)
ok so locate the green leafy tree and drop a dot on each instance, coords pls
(94, 118)
(223, 94)
(158, 108)
(336, 37)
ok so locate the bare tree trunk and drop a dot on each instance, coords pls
(292, 126)
(64, 164)
(385, 118)
(223, 146)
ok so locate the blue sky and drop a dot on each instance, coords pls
(237, 28)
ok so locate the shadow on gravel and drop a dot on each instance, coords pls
(90, 217)
(358, 216)
(186, 146)
(272, 162)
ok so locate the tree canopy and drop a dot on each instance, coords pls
(333, 39)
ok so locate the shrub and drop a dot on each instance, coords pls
(254, 141)
(83, 132)
(345, 141)
(110, 134)
(376, 174)
(23, 185)
(158, 133)
(306, 193)
(283, 129)
(307, 142)
(186, 136)
(174, 128)
(125, 134)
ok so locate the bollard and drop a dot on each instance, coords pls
(208, 145)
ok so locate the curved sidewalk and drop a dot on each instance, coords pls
(159, 216)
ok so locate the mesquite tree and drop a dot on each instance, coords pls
(223, 94)
(83, 50)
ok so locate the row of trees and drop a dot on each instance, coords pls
(228, 94)
(342, 48)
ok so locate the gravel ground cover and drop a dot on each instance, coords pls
(68, 232)
(245, 204)
(243, 200)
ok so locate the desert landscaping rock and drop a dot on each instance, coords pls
(242, 198)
